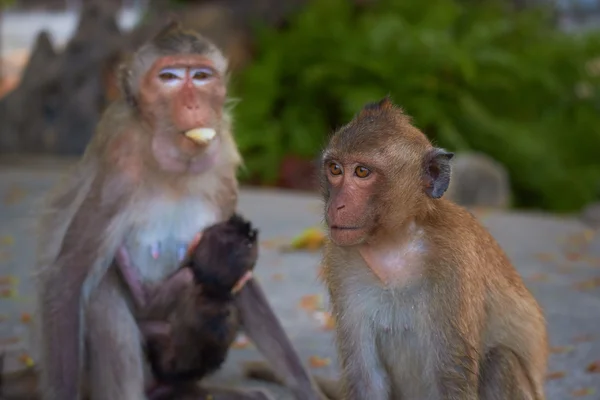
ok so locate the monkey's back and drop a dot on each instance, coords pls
(511, 315)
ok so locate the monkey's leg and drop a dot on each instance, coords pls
(116, 369)
(262, 326)
(503, 377)
(261, 370)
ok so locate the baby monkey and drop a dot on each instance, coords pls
(190, 320)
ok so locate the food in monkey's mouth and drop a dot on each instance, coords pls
(201, 135)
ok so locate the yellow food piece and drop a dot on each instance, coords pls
(201, 135)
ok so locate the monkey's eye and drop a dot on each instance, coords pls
(200, 76)
(171, 76)
(362, 172)
(335, 169)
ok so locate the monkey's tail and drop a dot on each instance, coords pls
(261, 371)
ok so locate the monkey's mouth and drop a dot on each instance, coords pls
(346, 228)
(201, 136)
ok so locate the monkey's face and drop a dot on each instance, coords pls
(378, 172)
(351, 189)
(225, 254)
(182, 98)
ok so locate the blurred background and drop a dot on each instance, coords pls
(512, 85)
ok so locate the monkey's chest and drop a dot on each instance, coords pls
(162, 233)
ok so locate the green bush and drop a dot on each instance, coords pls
(474, 77)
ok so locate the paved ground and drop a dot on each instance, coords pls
(558, 257)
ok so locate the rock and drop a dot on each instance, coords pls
(479, 181)
(590, 215)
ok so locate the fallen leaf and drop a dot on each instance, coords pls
(9, 340)
(8, 293)
(27, 360)
(582, 392)
(571, 256)
(311, 239)
(277, 277)
(545, 256)
(241, 342)
(326, 320)
(270, 244)
(7, 240)
(8, 280)
(588, 234)
(583, 338)
(593, 368)
(555, 375)
(318, 362)
(589, 284)
(25, 318)
(14, 194)
(561, 349)
(538, 277)
(311, 302)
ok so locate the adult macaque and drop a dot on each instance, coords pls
(426, 304)
(160, 168)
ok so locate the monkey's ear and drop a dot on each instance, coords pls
(437, 172)
(125, 84)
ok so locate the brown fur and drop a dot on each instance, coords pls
(139, 183)
(426, 303)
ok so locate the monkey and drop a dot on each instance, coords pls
(426, 303)
(160, 167)
(189, 329)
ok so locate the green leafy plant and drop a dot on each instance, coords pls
(473, 76)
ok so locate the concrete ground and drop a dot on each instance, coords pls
(558, 257)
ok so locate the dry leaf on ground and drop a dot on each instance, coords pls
(27, 360)
(25, 318)
(589, 284)
(545, 256)
(593, 368)
(584, 338)
(555, 375)
(311, 302)
(326, 320)
(7, 240)
(318, 362)
(538, 277)
(277, 277)
(561, 349)
(582, 392)
(311, 239)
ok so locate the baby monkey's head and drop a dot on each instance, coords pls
(225, 256)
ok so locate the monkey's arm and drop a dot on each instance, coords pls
(262, 326)
(84, 254)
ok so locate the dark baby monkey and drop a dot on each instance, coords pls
(189, 330)
(427, 305)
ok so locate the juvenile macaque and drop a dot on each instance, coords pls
(160, 168)
(426, 304)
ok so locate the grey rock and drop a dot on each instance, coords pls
(478, 181)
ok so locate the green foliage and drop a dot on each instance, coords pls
(474, 77)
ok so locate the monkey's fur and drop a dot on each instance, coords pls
(203, 319)
(426, 304)
(142, 185)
